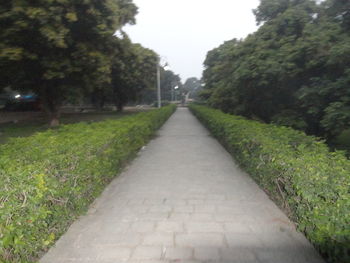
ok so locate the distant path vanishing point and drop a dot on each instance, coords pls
(183, 200)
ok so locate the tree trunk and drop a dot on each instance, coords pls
(120, 106)
(55, 118)
(118, 101)
(98, 99)
(54, 122)
(52, 106)
(101, 103)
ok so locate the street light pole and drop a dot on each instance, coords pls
(172, 93)
(158, 85)
(175, 96)
(165, 67)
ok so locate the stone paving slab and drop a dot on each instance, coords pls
(183, 200)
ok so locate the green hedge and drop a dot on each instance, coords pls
(298, 172)
(49, 179)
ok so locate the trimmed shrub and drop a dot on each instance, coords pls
(49, 179)
(299, 173)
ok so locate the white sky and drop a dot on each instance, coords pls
(183, 31)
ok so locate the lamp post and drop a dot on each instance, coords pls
(174, 92)
(158, 85)
(166, 67)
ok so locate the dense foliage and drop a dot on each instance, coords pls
(294, 71)
(49, 179)
(168, 81)
(64, 50)
(297, 171)
(133, 71)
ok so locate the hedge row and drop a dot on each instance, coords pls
(49, 179)
(298, 172)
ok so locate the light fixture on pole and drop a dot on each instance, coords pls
(158, 85)
(175, 93)
(165, 67)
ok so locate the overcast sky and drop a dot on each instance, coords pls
(183, 31)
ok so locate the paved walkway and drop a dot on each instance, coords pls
(183, 200)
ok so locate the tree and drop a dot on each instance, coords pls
(133, 71)
(293, 71)
(338, 10)
(270, 9)
(168, 81)
(59, 49)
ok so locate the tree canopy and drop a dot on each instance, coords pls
(168, 81)
(293, 71)
(133, 71)
(62, 49)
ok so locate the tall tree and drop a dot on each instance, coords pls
(168, 81)
(59, 48)
(293, 71)
(133, 71)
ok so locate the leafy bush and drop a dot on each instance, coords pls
(311, 183)
(342, 142)
(49, 179)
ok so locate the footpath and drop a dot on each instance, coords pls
(184, 200)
